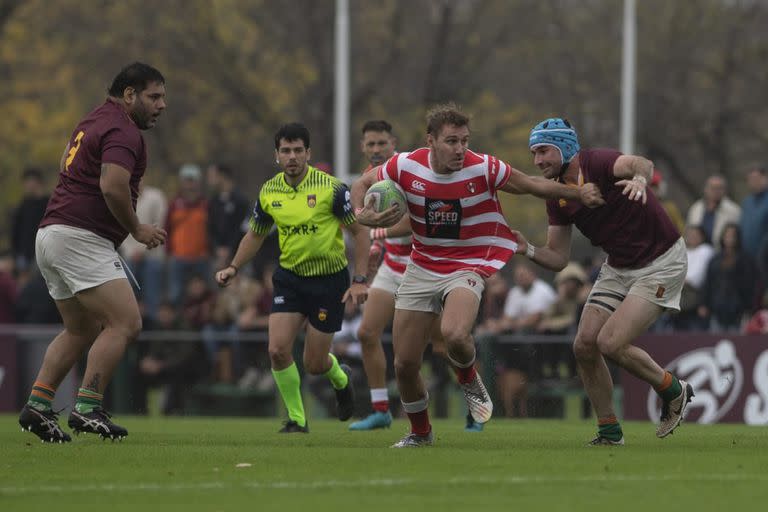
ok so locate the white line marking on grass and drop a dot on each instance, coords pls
(386, 482)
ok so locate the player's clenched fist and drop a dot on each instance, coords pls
(225, 275)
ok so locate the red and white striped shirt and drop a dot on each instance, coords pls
(456, 218)
(397, 251)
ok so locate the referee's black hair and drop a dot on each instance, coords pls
(291, 132)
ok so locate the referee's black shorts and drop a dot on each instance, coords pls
(317, 298)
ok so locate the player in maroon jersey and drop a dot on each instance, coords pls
(459, 238)
(642, 277)
(92, 210)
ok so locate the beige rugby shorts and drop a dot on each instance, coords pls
(425, 291)
(660, 282)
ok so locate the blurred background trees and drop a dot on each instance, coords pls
(237, 69)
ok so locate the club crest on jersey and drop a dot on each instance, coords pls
(311, 200)
(322, 315)
(471, 187)
(563, 203)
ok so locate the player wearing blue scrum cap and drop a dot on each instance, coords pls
(642, 277)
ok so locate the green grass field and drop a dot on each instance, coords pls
(192, 465)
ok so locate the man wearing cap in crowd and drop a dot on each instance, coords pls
(562, 317)
(642, 277)
(187, 243)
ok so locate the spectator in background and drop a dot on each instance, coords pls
(729, 288)
(174, 365)
(197, 310)
(754, 222)
(523, 310)
(34, 304)
(228, 212)
(26, 218)
(699, 255)
(254, 316)
(659, 187)
(714, 211)
(492, 307)
(148, 266)
(758, 324)
(187, 232)
(562, 317)
(526, 302)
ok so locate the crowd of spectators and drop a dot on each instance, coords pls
(725, 287)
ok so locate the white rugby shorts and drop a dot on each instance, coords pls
(73, 259)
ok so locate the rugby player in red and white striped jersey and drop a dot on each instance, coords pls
(459, 238)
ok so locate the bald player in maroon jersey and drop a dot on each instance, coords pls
(642, 277)
(92, 210)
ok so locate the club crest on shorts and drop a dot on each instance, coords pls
(660, 292)
(311, 200)
(322, 315)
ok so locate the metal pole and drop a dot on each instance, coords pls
(341, 101)
(628, 84)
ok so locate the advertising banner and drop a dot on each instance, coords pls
(729, 375)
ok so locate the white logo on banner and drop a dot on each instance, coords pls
(717, 377)
(756, 406)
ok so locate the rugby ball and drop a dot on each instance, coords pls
(385, 193)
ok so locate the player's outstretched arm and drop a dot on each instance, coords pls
(555, 254)
(635, 173)
(521, 183)
(246, 251)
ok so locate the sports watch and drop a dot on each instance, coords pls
(359, 279)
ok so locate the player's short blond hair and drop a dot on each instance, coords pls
(443, 114)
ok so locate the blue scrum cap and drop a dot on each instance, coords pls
(556, 132)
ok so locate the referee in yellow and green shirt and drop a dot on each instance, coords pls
(312, 282)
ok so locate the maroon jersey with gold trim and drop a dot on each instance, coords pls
(632, 233)
(106, 135)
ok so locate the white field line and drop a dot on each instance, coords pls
(373, 483)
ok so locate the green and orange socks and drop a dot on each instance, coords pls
(670, 388)
(41, 397)
(609, 428)
(289, 385)
(87, 400)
